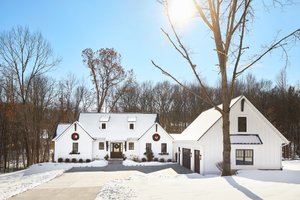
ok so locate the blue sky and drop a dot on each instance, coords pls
(132, 27)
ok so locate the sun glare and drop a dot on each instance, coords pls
(181, 11)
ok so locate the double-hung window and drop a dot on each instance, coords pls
(75, 147)
(163, 148)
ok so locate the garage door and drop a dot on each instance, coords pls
(186, 158)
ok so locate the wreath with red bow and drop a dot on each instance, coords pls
(75, 136)
(156, 137)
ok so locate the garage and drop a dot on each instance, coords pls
(186, 158)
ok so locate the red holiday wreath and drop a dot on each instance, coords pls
(75, 136)
(156, 137)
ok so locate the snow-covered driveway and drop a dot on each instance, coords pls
(75, 186)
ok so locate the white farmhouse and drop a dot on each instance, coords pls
(255, 142)
(116, 135)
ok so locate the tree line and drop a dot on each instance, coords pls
(32, 103)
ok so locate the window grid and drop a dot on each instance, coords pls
(244, 157)
(131, 126)
(101, 145)
(131, 146)
(75, 147)
(148, 146)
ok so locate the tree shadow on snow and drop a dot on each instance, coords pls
(241, 188)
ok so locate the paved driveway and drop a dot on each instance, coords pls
(86, 182)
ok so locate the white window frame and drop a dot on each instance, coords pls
(130, 124)
(102, 127)
(103, 146)
(130, 149)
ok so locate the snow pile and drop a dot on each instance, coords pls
(248, 184)
(20, 181)
(129, 162)
(116, 189)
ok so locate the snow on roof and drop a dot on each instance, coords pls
(117, 128)
(202, 123)
(132, 119)
(104, 119)
(245, 139)
(61, 128)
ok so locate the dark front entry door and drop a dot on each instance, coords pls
(186, 158)
(116, 150)
(197, 161)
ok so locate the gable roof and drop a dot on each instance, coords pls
(203, 123)
(159, 127)
(117, 124)
(207, 119)
(62, 128)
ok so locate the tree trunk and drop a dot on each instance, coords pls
(226, 144)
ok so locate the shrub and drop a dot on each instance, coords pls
(162, 160)
(124, 157)
(80, 160)
(88, 160)
(149, 154)
(219, 165)
(135, 159)
(67, 160)
(144, 159)
(60, 160)
(155, 159)
(74, 160)
(106, 157)
(169, 160)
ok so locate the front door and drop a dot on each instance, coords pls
(197, 161)
(186, 158)
(116, 150)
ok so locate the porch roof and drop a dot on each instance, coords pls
(245, 139)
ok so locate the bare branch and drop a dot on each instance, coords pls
(207, 100)
(204, 18)
(295, 34)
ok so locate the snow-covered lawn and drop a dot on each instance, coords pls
(20, 181)
(248, 184)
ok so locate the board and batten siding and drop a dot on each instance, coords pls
(156, 145)
(192, 145)
(63, 144)
(266, 155)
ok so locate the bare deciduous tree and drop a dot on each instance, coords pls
(107, 73)
(227, 22)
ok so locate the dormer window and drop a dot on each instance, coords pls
(103, 125)
(131, 126)
(103, 121)
(131, 121)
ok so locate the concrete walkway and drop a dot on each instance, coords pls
(85, 182)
